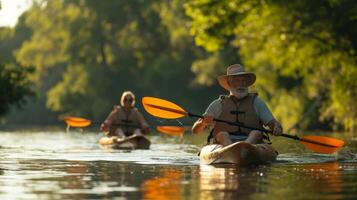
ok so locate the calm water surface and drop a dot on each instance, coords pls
(60, 165)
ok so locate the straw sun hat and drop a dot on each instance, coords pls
(236, 70)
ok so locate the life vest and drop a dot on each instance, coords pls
(127, 122)
(241, 111)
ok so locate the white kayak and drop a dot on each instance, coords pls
(129, 142)
(240, 153)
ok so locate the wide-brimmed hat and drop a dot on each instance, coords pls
(236, 70)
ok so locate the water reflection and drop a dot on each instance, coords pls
(77, 179)
(323, 177)
(230, 181)
(76, 168)
(166, 186)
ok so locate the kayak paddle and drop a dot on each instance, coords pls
(79, 122)
(168, 110)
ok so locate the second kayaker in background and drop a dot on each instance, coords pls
(242, 107)
(125, 120)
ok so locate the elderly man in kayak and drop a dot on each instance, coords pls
(242, 107)
(125, 120)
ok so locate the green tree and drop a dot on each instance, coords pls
(86, 53)
(300, 50)
(14, 84)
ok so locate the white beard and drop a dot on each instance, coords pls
(239, 93)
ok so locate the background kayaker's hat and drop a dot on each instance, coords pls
(236, 70)
(126, 95)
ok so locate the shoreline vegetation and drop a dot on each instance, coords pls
(76, 57)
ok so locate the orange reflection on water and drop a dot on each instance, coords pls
(325, 177)
(165, 187)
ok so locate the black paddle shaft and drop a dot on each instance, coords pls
(240, 125)
(119, 124)
(122, 124)
(264, 130)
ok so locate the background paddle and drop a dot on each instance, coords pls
(79, 122)
(168, 110)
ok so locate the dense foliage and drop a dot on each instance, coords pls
(301, 51)
(85, 53)
(14, 83)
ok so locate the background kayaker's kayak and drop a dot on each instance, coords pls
(130, 142)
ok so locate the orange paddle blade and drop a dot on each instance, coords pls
(163, 108)
(171, 130)
(322, 144)
(77, 122)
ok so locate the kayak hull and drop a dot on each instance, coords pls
(239, 153)
(130, 142)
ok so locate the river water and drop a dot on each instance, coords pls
(71, 165)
